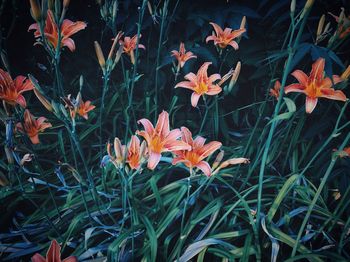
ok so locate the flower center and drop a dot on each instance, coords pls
(156, 144)
(192, 158)
(202, 88)
(313, 91)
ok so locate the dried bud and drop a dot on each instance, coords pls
(99, 54)
(43, 100)
(307, 7)
(345, 75)
(320, 26)
(66, 3)
(243, 22)
(218, 159)
(35, 10)
(234, 76)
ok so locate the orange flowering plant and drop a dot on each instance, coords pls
(32, 126)
(56, 35)
(108, 159)
(201, 84)
(316, 85)
(11, 90)
(223, 38)
(160, 138)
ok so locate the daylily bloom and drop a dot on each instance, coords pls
(275, 91)
(84, 108)
(343, 24)
(11, 90)
(33, 126)
(129, 45)
(195, 157)
(53, 255)
(160, 139)
(223, 38)
(201, 84)
(182, 56)
(68, 28)
(315, 85)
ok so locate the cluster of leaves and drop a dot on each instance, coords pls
(290, 202)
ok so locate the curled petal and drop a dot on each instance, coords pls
(317, 69)
(214, 77)
(294, 88)
(204, 166)
(333, 94)
(191, 77)
(147, 125)
(194, 99)
(301, 77)
(186, 135)
(176, 146)
(153, 160)
(21, 101)
(218, 30)
(38, 258)
(69, 43)
(214, 90)
(310, 104)
(185, 84)
(209, 148)
(173, 135)
(234, 45)
(162, 126)
(198, 142)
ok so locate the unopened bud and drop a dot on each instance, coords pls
(35, 10)
(307, 7)
(234, 76)
(99, 54)
(43, 100)
(320, 26)
(243, 22)
(218, 159)
(292, 6)
(345, 75)
(66, 3)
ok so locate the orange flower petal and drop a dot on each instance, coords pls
(205, 167)
(301, 77)
(310, 104)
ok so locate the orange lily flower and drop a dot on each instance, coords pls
(201, 84)
(53, 255)
(223, 38)
(315, 85)
(33, 126)
(194, 157)
(344, 153)
(11, 90)
(275, 91)
(68, 28)
(160, 139)
(129, 45)
(182, 56)
(84, 108)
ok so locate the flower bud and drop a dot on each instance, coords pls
(345, 75)
(292, 6)
(243, 22)
(320, 26)
(234, 76)
(35, 10)
(99, 54)
(66, 3)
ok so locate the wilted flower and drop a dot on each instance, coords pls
(68, 28)
(223, 38)
(195, 157)
(275, 91)
(343, 24)
(136, 152)
(201, 84)
(315, 85)
(11, 90)
(182, 56)
(33, 126)
(129, 45)
(53, 255)
(78, 106)
(160, 139)
(134, 156)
